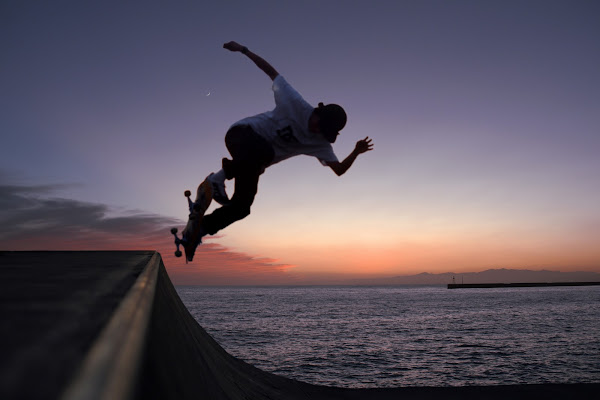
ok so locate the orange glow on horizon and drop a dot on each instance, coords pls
(216, 264)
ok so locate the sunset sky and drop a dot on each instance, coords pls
(485, 118)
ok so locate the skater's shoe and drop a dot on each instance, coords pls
(218, 188)
(190, 247)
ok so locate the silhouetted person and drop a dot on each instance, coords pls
(294, 127)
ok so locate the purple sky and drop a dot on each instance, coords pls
(485, 118)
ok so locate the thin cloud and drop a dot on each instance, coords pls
(28, 214)
(215, 264)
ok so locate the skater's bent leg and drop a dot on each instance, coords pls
(236, 141)
(246, 186)
(248, 150)
(250, 155)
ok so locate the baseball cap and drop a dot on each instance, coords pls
(332, 119)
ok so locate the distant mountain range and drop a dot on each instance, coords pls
(489, 276)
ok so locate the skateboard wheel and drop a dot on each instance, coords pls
(187, 193)
(173, 230)
(178, 253)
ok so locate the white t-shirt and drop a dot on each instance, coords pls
(286, 127)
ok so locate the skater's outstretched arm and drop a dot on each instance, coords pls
(259, 61)
(362, 146)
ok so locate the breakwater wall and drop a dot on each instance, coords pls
(513, 285)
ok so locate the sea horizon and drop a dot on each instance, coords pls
(488, 276)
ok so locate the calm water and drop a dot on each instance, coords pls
(407, 336)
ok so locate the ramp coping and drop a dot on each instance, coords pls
(110, 369)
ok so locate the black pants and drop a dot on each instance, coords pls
(251, 154)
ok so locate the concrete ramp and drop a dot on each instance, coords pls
(135, 339)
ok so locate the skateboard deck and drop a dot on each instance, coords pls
(190, 237)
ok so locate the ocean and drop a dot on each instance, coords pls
(407, 336)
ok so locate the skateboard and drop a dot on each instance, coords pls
(190, 237)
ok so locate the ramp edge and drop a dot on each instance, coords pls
(111, 368)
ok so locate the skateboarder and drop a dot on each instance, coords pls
(294, 127)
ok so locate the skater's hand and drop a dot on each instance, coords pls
(362, 146)
(233, 46)
(259, 61)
